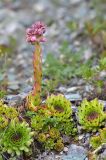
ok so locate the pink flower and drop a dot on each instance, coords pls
(35, 33)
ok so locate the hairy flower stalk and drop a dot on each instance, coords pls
(34, 35)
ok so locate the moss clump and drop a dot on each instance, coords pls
(38, 122)
(49, 144)
(16, 138)
(91, 115)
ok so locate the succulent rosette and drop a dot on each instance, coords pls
(59, 105)
(17, 138)
(54, 133)
(103, 135)
(6, 114)
(91, 115)
(59, 146)
(11, 112)
(3, 122)
(95, 141)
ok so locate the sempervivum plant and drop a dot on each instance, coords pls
(35, 35)
(3, 122)
(17, 138)
(6, 114)
(91, 115)
(59, 105)
(7, 111)
(103, 135)
(59, 146)
(96, 141)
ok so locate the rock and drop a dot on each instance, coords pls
(61, 152)
(49, 158)
(16, 5)
(104, 103)
(13, 100)
(75, 153)
(72, 89)
(66, 139)
(4, 40)
(74, 2)
(13, 87)
(87, 54)
(65, 149)
(74, 108)
(79, 129)
(23, 15)
(103, 155)
(39, 7)
(81, 137)
(74, 97)
(62, 89)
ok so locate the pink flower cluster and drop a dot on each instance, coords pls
(35, 33)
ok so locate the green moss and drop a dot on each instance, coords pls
(91, 115)
(49, 144)
(2, 93)
(37, 122)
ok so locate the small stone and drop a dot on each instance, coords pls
(65, 149)
(13, 87)
(87, 135)
(66, 139)
(81, 137)
(62, 89)
(13, 100)
(103, 155)
(39, 7)
(75, 153)
(72, 89)
(88, 54)
(57, 157)
(79, 129)
(61, 152)
(74, 108)
(74, 2)
(74, 97)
